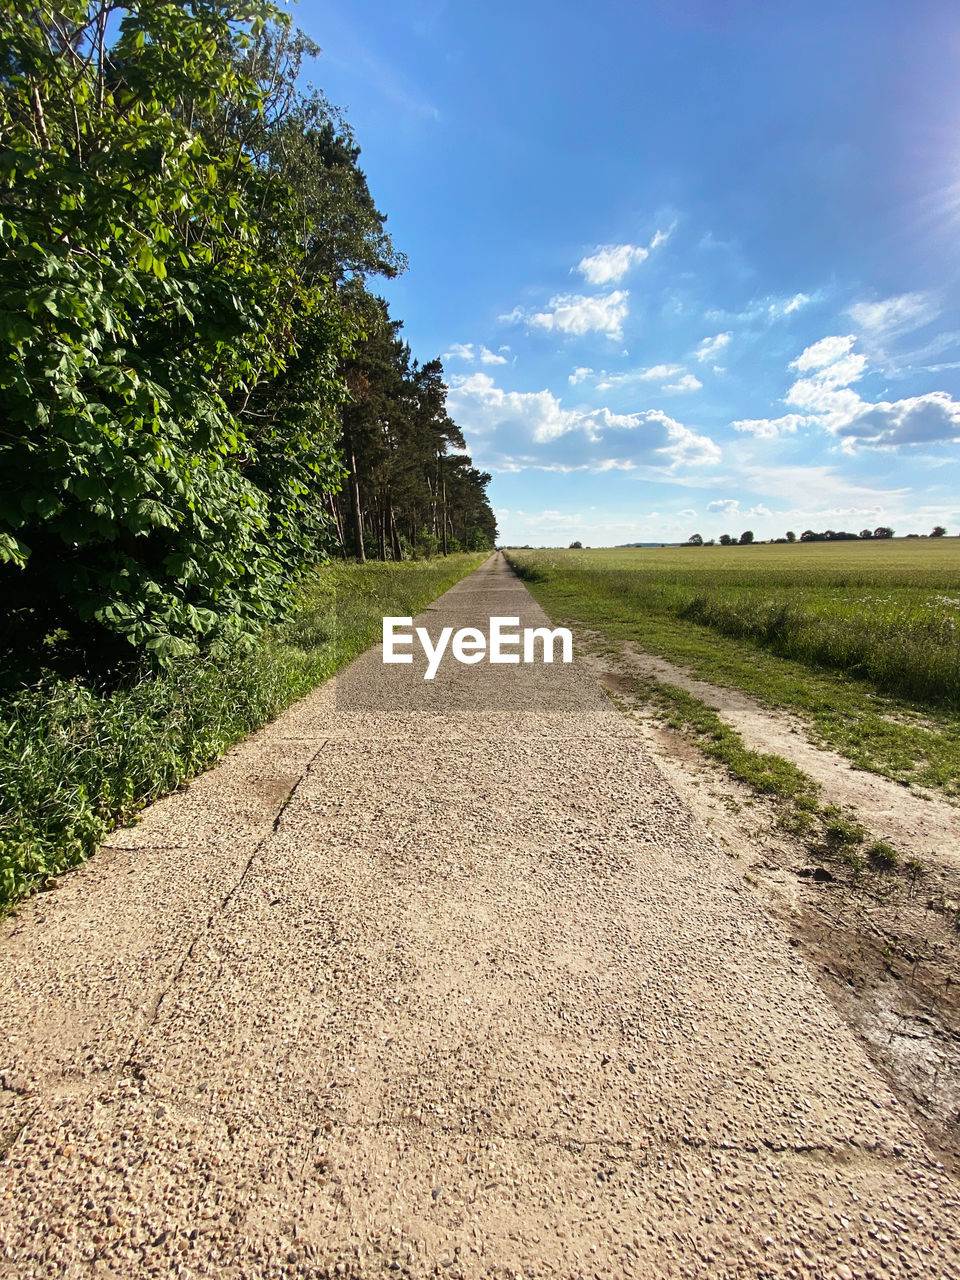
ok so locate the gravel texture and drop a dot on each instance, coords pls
(439, 979)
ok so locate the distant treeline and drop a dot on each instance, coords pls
(200, 397)
(809, 535)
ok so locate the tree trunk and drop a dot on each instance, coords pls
(355, 510)
(443, 513)
(338, 522)
(394, 535)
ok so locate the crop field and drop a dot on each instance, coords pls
(860, 638)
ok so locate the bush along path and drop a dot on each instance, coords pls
(78, 759)
(440, 978)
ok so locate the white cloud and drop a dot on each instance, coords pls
(611, 262)
(826, 390)
(724, 506)
(826, 394)
(580, 374)
(900, 314)
(656, 373)
(490, 357)
(509, 422)
(687, 513)
(577, 314)
(763, 310)
(459, 351)
(479, 404)
(777, 309)
(709, 348)
(823, 352)
(770, 428)
(687, 383)
(917, 420)
(467, 351)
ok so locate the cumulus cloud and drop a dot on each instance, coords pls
(577, 314)
(514, 426)
(830, 366)
(610, 262)
(491, 357)
(467, 351)
(459, 351)
(770, 428)
(916, 420)
(724, 506)
(710, 348)
(580, 374)
(687, 383)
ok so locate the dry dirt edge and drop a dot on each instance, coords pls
(918, 822)
(440, 980)
(879, 945)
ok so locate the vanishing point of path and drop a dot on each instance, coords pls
(439, 979)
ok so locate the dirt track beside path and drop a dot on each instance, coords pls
(920, 823)
(439, 979)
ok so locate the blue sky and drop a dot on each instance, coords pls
(691, 266)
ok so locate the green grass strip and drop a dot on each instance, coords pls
(76, 762)
(876, 730)
(831, 834)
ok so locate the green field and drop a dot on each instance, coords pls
(862, 639)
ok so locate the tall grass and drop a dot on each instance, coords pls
(894, 623)
(77, 760)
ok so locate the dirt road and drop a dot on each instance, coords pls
(439, 979)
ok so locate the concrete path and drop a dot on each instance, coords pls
(439, 979)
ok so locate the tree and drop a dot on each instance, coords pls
(726, 540)
(866, 533)
(746, 537)
(695, 540)
(791, 536)
(938, 531)
(412, 487)
(576, 546)
(882, 531)
(151, 284)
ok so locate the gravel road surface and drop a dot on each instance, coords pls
(439, 979)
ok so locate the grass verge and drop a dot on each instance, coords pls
(830, 833)
(77, 761)
(880, 731)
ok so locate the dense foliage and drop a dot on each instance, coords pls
(75, 760)
(184, 242)
(189, 355)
